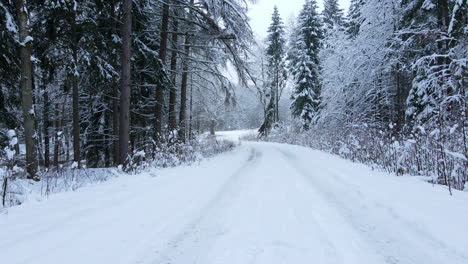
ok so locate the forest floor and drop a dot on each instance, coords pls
(261, 203)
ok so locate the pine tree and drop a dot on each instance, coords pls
(172, 122)
(160, 86)
(125, 81)
(332, 14)
(424, 31)
(10, 98)
(276, 72)
(355, 17)
(29, 116)
(305, 71)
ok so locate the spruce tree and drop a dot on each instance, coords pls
(423, 31)
(305, 71)
(10, 97)
(332, 14)
(355, 17)
(276, 72)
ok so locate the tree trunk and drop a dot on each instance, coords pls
(46, 129)
(26, 88)
(173, 90)
(46, 112)
(183, 93)
(115, 99)
(116, 123)
(125, 81)
(160, 84)
(75, 95)
(115, 102)
(212, 127)
(65, 132)
(57, 137)
(191, 108)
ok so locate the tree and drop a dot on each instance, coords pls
(81, 111)
(10, 94)
(433, 30)
(184, 82)
(276, 71)
(306, 70)
(354, 17)
(125, 81)
(29, 116)
(160, 86)
(332, 14)
(173, 90)
(183, 92)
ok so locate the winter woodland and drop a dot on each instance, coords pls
(86, 86)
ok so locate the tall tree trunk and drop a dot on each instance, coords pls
(125, 82)
(173, 90)
(46, 129)
(183, 93)
(46, 112)
(106, 138)
(276, 119)
(115, 101)
(26, 88)
(212, 127)
(64, 129)
(191, 108)
(162, 58)
(75, 95)
(57, 137)
(116, 123)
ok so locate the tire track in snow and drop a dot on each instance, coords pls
(399, 243)
(189, 237)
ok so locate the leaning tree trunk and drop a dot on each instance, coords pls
(125, 81)
(26, 89)
(160, 84)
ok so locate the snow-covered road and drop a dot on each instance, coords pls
(261, 203)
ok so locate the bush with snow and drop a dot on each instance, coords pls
(16, 189)
(414, 154)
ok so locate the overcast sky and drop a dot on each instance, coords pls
(260, 13)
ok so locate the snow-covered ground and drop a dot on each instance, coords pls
(235, 135)
(261, 203)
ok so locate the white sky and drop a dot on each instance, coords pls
(260, 13)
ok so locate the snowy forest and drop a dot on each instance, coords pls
(100, 84)
(233, 131)
(385, 84)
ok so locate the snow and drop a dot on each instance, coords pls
(235, 135)
(261, 203)
(456, 154)
(10, 153)
(26, 40)
(11, 133)
(10, 24)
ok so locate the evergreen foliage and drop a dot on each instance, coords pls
(332, 14)
(306, 68)
(276, 71)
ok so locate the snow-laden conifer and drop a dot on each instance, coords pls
(306, 67)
